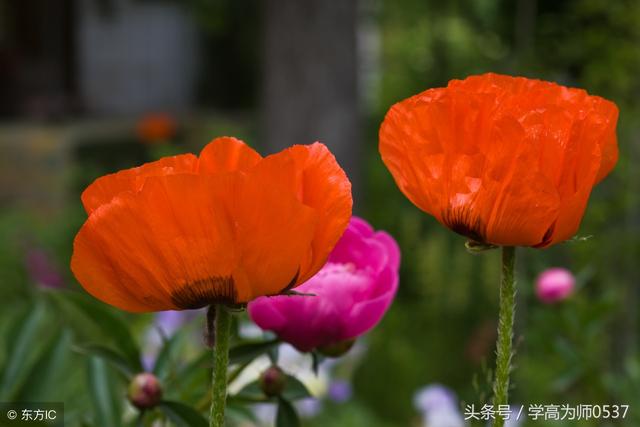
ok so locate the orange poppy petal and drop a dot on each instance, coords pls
(576, 187)
(227, 154)
(609, 139)
(419, 175)
(105, 188)
(322, 185)
(500, 159)
(169, 246)
(274, 229)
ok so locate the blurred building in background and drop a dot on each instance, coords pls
(289, 68)
(63, 57)
(140, 57)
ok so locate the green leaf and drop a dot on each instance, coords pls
(274, 353)
(251, 392)
(197, 365)
(295, 389)
(108, 354)
(104, 395)
(44, 376)
(286, 416)
(25, 335)
(249, 351)
(182, 415)
(189, 379)
(316, 360)
(167, 354)
(240, 412)
(101, 317)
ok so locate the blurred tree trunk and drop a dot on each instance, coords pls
(310, 87)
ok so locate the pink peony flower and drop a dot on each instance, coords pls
(554, 284)
(352, 292)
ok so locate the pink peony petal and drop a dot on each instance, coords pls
(352, 293)
(368, 313)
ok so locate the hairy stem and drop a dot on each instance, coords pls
(220, 364)
(504, 350)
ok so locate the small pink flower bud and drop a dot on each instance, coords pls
(145, 391)
(555, 284)
(273, 381)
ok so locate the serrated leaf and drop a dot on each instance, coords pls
(182, 415)
(287, 415)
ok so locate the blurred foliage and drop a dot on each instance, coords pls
(63, 345)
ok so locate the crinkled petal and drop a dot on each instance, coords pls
(321, 184)
(227, 154)
(105, 188)
(178, 254)
(275, 230)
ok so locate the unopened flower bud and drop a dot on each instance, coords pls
(336, 349)
(145, 391)
(273, 381)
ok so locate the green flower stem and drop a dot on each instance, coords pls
(220, 365)
(504, 350)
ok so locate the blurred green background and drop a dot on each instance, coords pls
(78, 77)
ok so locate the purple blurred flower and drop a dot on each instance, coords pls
(434, 397)
(517, 413)
(340, 391)
(165, 323)
(514, 420)
(308, 407)
(555, 284)
(170, 321)
(42, 269)
(444, 419)
(352, 293)
(438, 406)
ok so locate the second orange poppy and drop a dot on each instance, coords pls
(502, 160)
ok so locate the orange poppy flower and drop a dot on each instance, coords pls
(502, 160)
(157, 127)
(226, 227)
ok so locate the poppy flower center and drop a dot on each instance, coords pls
(204, 292)
(463, 222)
